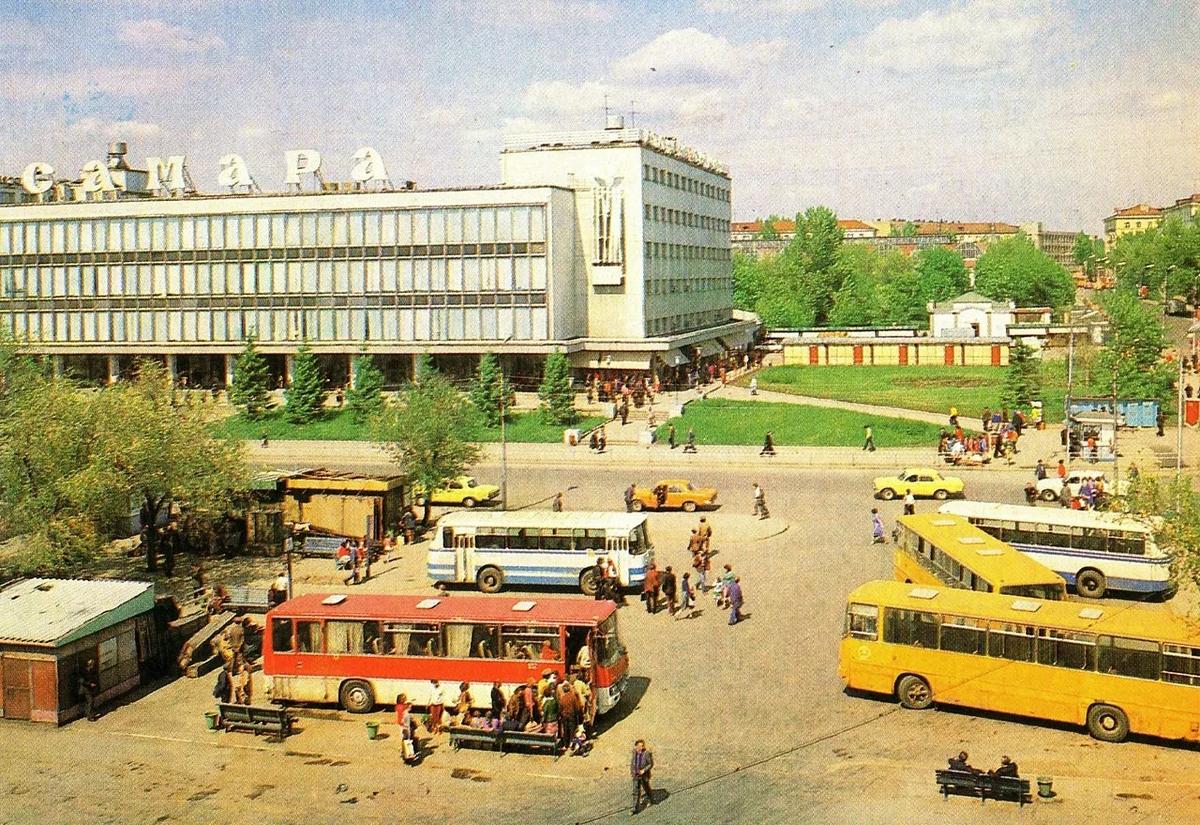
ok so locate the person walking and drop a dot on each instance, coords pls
(556, 503)
(1161, 420)
(754, 385)
(760, 502)
(89, 686)
(669, 588)
(768, 445)
(651, 587)
(1062, 469)
(727, 579)
(690, 444)
(266, 438)
(603, 443)
(1039, 472)
(629, 493)
(704, 534)
(868, 438)
(687, 601)
(735, 601)
(671, 435)
(877, 536)
(910, 502)
(640, 767)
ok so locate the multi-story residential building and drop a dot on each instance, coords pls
(1184, 209)
(611, 245)
(1130, 221)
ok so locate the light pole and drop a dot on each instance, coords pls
(503, 440)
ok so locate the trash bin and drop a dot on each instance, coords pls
(1045, 789)
(1191, 413)
(372, 730)
(210, 719)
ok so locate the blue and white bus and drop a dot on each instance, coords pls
(494, 549)
(1096, 552)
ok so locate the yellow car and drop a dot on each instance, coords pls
(464, 490)
(677, 494)
(923, 481)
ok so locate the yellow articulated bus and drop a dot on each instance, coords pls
(948, 551)
(1113, 670)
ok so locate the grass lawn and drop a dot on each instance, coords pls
(721, 421)
(931, 388)
(524, 427)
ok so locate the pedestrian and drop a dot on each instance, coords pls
(953, 416)
(630, 491)
(89, 686)
(671, 435)
(1064, 494)
(754, 385)
(910, 502)
(556, 503)
(669, 588)
(437, 705)
(687, 600)
(702, 563)
(868, 438)
(624, 413)
(222, 691)
(241, 684)
(760, 502)
(768, 445)
(365, 550)
(408, 525)
(704, 532)
(1039, 472)
(594, 440)
(352, 564)
(689, 445)
(1160, 419)
(603, 440)
(1062, 469)
(266, 440)
(735, 601)
(639, 768)
(727, 579)
(986, 419)
(601, 592)
(651, 587)
(877, 536)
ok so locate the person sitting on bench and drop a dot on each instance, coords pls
(1007, 768)
(959, 763)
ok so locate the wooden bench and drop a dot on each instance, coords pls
(503, 740)
(249, 599)
(984, 786)
(257, 718)
(460, 736)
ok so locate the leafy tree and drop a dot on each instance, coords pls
(748, 277)
(1084, 254)
(1133, 354)
(1173, 506)
(783, 302)
(1014, 269)
(814, 255)
(942, 273)
(306, 395)
(364, 397)
(910, 230)
(425, 367)
(251, 390)
(856, 303)
(557, 397)
(1170, 252)
(768, 232)
(488, 389)
(1023, 384)
(429, 432)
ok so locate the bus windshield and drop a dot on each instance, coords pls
(608, 644)
(639, 540)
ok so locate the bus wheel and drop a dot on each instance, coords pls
(1107, 723)
(1091, 583)
(357, 697)
(490, 580)
(587, 581)
(914, 693)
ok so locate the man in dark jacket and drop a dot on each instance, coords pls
(640, 767)
(669, 588)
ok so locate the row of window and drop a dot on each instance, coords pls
(382, 227)
(317, 325)
(683, 252)
(672, 286)
(548, 538)
(278, 278)
(682, 323)
(953, 573)
(1118, 542)
(679, 217)
(684, 183)
(381, 638)
(1138, 658)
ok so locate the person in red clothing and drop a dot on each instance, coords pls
(650, 588)
(1062, 469)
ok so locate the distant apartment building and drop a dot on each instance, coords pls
(1130, 221)
(1184, 209)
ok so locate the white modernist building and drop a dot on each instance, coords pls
(610, 245)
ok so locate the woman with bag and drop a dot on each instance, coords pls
(408, 728)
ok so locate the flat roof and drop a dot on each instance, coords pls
(487, 609)
(56, 612)
(1053, 515)
(542, 518)
(1001, 564)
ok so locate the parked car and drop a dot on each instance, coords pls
(464, 490)
(1048, 487)
(679, 494)
(924, 482)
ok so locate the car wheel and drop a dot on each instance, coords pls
(1107, 723)
(1091, 583)
(1049, 495)
(637, 506)
(689, 506)
(469, 502)
(914, 693)
(887, 494)
(588, 581)
(490, 579)
(940, 495)
(356, 696)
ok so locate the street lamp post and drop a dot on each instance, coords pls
(503, 440)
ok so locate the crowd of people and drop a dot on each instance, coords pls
(998, 439)
(666, 589)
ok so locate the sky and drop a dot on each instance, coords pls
(988, 110)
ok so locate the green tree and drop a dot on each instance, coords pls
(1132, 356)
(811, 259)
(251, 390)
(1014, 269)
(1023, 384)
(1084, 254)
(306, 395)
(555, 393)
(425, 367)
(783, 302)
(942, 273)
(768, 232)
(364, 397)
(487, 390)
(1172, 505)
(428, 433)
(748, 277)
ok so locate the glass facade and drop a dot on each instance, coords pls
(328, 275)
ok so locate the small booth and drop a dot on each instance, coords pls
(1092, 437)
(50, 628)
(344, 504)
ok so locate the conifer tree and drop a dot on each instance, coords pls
(364, 398)
(306, 395)
(251, 382)
(558, 399)
(487, 389)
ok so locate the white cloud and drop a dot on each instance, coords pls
(976, 35)
(164, 36)
(690, 55)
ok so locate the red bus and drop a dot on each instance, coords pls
(361, 650)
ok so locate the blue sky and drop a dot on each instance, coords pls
(968, 110)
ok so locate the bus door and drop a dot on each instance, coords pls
(464, 556)
(617, 548)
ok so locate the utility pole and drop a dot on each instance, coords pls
(503, 413)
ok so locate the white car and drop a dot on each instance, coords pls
(1049, 487)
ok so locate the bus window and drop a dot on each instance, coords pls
(486, 539)
(344, 637)
(375, 641)
(963, 635)
(638, 541)
(910, 627)
(1011, 641)
(458, 640)
(414, 639)
(1048, 592)
(531, 643)
(1089, 538)
(608, 645)
(1181, 664)
(1129, 657)
(281, 636)
(556, 540)
(862, 621)
(1128, 544)
(590, 539)
(485, 641)
(1064, 649)
(308, 637)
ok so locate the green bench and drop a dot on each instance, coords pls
(503, 740)
(257, 718)
(459, 736)
(984, 786)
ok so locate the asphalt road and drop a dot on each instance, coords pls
(747, 723)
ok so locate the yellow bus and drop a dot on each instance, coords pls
(948, 551)
(1113, 670)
